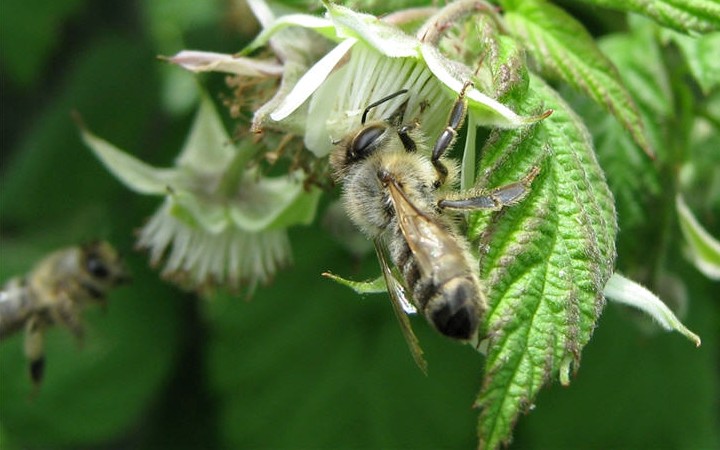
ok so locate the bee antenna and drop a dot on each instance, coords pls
(380, 102)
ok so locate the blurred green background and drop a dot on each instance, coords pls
(304, 363)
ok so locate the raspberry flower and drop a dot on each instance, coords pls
(222, 222)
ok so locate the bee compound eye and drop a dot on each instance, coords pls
(97, 267)
(365, 142)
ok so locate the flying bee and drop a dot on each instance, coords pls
(55, 292)
(394, 191)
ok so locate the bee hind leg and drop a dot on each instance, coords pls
(494, 199)
(34, 347)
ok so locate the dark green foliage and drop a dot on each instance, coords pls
(306, 362)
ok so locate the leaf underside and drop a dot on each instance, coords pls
(545, 261)
(562, 48)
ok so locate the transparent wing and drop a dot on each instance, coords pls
(401, 306)
(428, 241)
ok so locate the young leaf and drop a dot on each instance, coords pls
(544, 261)
(562, 47)
(688, 16)
(704, 250)
(376, 286)
(622, 290)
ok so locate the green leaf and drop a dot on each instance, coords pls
(376, 286)
(688, 16)
(704, 250)
(632, 176)
(545, 261)
(701, 55)
(561, 47)
(50, 149)
(325, 337)
(36, 24)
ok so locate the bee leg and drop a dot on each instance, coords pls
(34, 347)
(494, 199)
(407, 141)
(447, 137)
(66, 312)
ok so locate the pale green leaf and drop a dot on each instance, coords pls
(627, 292)
(376, 286)
(561, 47)
(704, 250)
(545, 260)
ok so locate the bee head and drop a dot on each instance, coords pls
(359, 145)
(103, 264)
(365, 142)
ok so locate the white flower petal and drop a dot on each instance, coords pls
(312, 79)
(488, 111)
(198, 61)
(337, 106)
(197, 259)
(385, 38)
(262, 12)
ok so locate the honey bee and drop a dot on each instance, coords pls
(395, 190)
(55, 292)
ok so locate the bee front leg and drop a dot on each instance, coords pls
(34, 347)
(407, 141)
(494, 199)
(449, 134)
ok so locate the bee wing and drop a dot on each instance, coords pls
(428, 241)
(401, 306)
